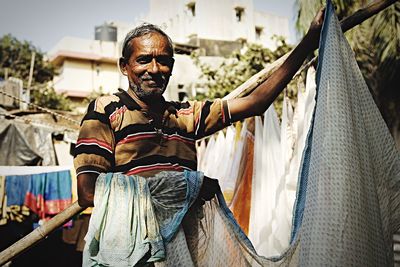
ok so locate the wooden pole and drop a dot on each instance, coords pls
(348, 23)
(32, 66)
(39, 233)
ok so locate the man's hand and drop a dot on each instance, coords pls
(208, 190)
(258, 101)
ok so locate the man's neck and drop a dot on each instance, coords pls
(156, 105)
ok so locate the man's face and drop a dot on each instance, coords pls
(149, 67)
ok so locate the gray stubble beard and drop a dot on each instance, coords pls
(146, 96)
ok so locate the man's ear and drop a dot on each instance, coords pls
(172, 65)
(122, 66)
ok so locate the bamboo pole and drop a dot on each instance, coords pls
(348, 23)
(39, 233)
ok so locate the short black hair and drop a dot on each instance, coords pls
(141, 30)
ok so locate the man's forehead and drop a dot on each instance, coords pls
(150, 43)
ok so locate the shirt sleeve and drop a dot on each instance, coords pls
(94, 150)
(210, 117)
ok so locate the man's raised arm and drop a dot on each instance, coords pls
(262, 97)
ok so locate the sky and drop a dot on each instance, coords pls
(45, 22)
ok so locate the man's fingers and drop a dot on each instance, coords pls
(209, 188)
(320, 16)
(318, 19)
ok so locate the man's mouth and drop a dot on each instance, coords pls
(153, 83)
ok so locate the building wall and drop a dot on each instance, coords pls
(215, 20)
(82, 77)
(186, 76)
(86, 47)
(272, 25)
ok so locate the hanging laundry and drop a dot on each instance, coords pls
(220, 158)
(49, 193)
(296, 133)
(200, 150)
(256, 194)
(215, 154)
(265, 189)
(241, 200)
(348, 201)
(215, 166)
(294, 128)
(16, 188)
(281, 223)
(202, 161)
(234, 161)
(305, 108)
(25, 144)
(45, 190)
(226, 181)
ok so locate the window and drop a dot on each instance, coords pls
(192, 8)
(98, 67)
(239, 12)
(259, 32)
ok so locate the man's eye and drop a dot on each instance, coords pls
(164, 60)
(143, 60)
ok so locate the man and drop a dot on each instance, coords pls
(138, 132)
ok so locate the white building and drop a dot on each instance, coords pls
(215, 27)
(86, 66)
(194, 22)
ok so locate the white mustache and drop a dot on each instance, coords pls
(154, 78)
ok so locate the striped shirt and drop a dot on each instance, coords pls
(118, 135)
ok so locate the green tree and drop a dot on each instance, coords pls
(15, 60)
(239, 67)
(376, 43)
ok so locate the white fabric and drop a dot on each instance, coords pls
(276, 181)
(235, 162)
(217, 156)
(200, 150)
(27, 170)
(227, 151)
(256, 194)
(209, 150)
(267, 173)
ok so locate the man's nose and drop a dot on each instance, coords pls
(153, 66)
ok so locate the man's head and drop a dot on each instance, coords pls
(147, 60)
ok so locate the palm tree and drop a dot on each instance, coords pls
(376, 43)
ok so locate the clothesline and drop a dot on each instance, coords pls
(35, 122)
(41, 108)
